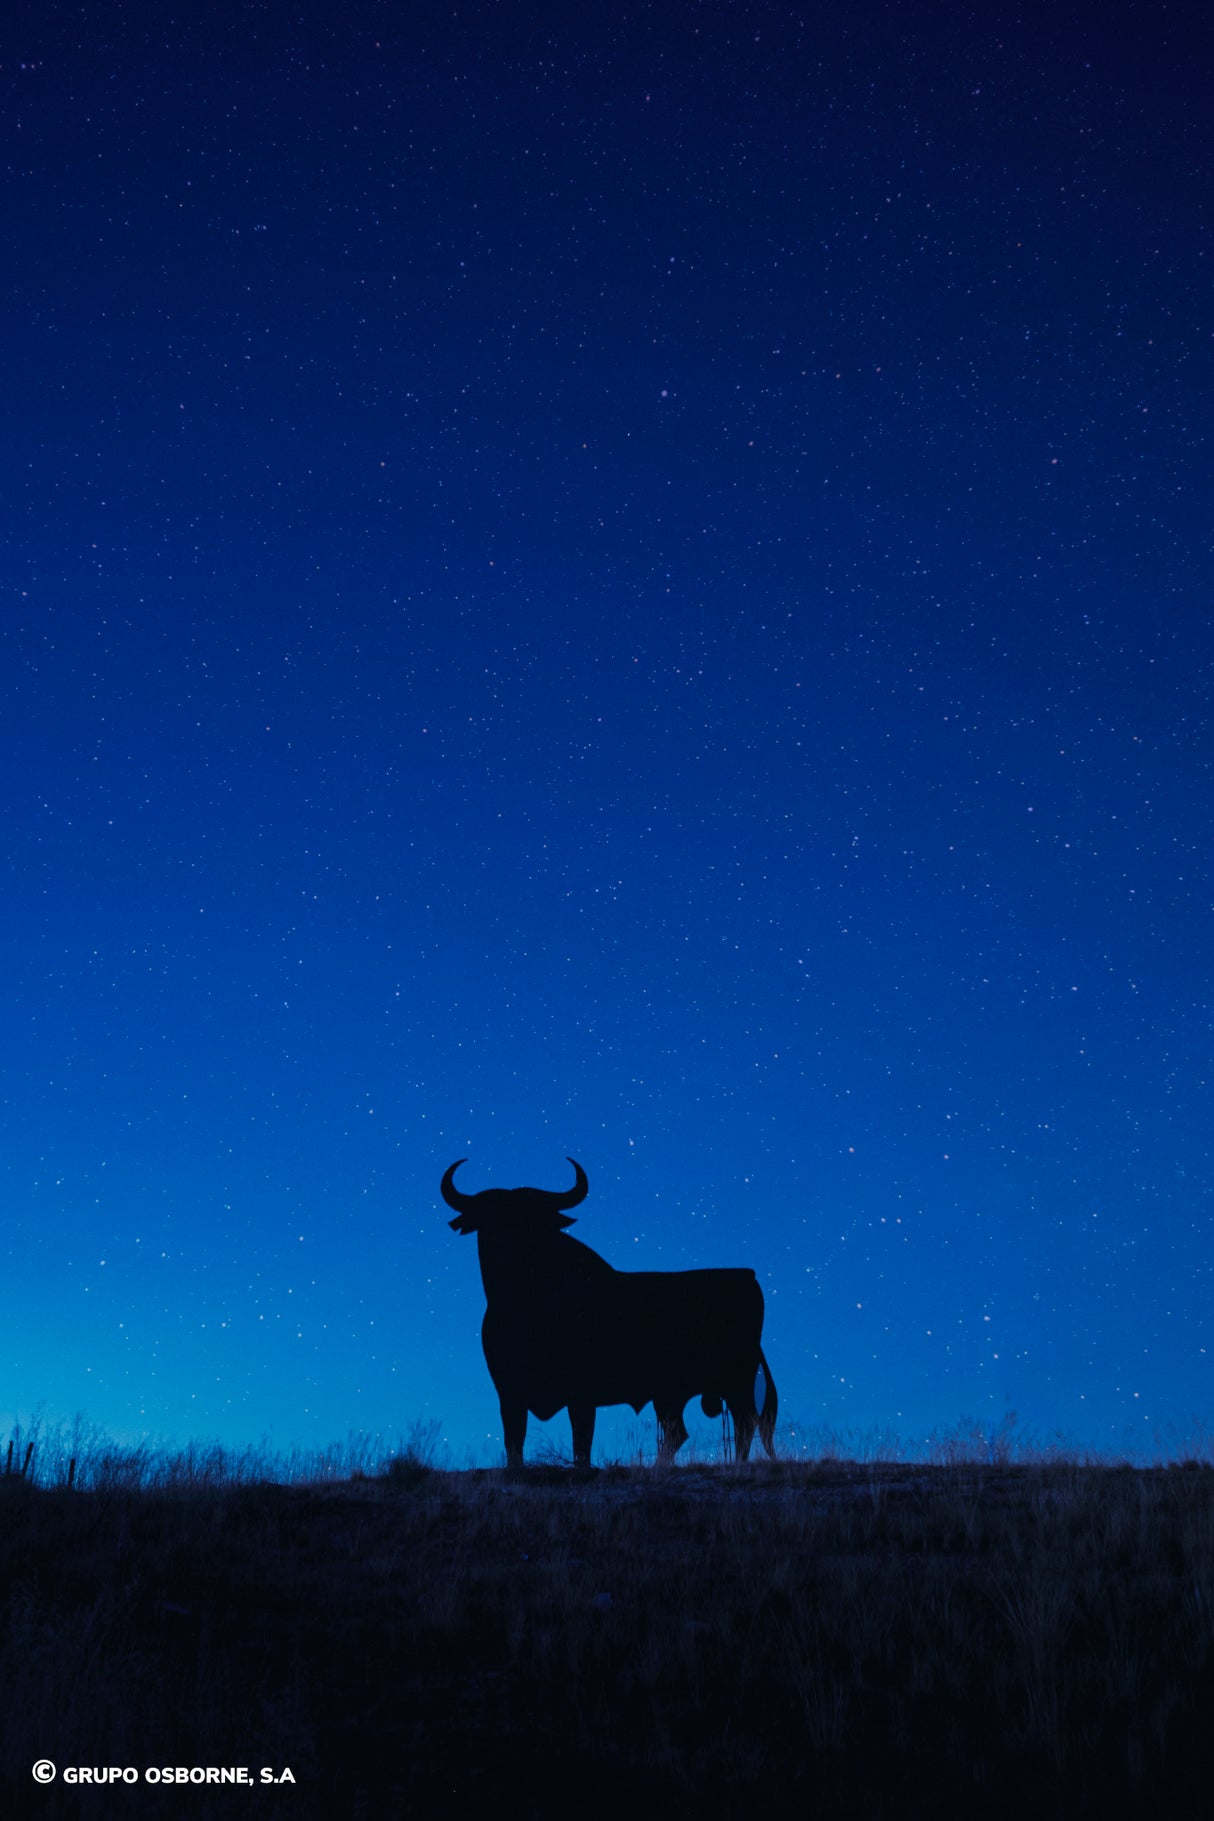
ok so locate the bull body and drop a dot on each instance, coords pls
(564, 1330)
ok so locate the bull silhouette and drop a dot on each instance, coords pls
(564, 1329)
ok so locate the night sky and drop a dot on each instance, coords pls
(629, 582)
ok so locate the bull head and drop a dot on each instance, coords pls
(551, 1202)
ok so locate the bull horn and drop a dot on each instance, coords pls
(451, 1195)
(577, 1193)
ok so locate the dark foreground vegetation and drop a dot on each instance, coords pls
(829, 1639)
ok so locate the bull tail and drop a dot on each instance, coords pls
(770, 1405)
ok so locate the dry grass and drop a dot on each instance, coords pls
(879, 1640)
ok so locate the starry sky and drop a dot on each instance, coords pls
(629, 582)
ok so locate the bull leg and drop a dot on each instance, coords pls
(747, 1416)
(741, 1403)
(672, 1432)
(514, 1429)
(743, 1432)
(581, 1421)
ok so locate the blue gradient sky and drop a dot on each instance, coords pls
(634, 587)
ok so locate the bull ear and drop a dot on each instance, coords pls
(463, 1223)
(565, 1220)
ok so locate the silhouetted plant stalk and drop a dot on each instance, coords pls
(23, 1472)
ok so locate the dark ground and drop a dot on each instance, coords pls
(875, 1641)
